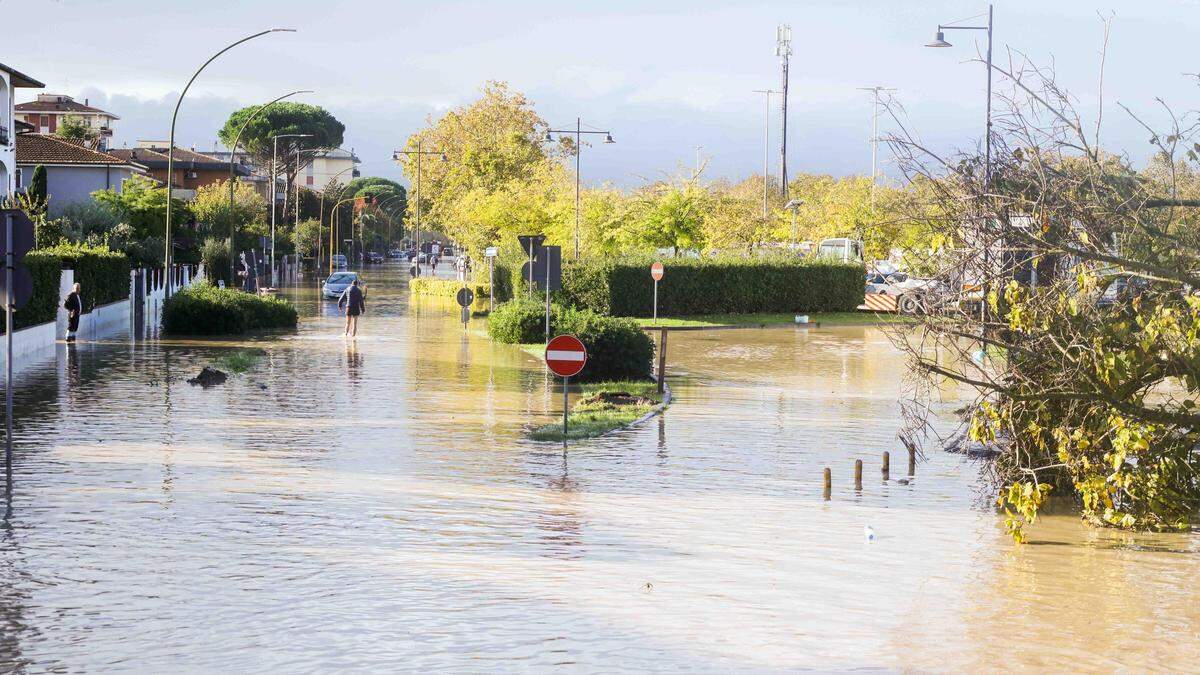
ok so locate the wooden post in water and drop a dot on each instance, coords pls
(828, 483)
(858, 474)
(662, 358)
(887, 465)
(912, 461)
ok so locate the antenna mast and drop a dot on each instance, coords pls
(783, 49)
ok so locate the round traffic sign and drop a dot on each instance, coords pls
(565, 355)
(656, 271)
(465, 297)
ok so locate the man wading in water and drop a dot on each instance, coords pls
(352, 300)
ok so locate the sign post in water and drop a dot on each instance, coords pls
(565, 357)
(656, 273)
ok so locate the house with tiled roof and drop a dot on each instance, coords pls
(47, 113)
(192, 169)
(10, 81)
(73, 170)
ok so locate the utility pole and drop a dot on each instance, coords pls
(875, 136)
(766, 144)
(783, 49)
(578, 132)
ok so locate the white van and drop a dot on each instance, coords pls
(841, 249)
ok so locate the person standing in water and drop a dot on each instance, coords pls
(74, 306)
(352, 300)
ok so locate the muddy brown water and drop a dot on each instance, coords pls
(373, 505)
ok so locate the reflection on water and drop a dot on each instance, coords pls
(370, 503)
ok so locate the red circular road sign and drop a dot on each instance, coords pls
(565, 355)
(656, 271)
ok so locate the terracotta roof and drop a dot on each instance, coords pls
(156, 158)
(20, 79)
(61, 106)
(42, 149)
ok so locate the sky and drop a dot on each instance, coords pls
(664, 76)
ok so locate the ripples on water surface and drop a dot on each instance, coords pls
(372, 505)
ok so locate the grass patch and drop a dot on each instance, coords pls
(750, 320)
(601, 408)
(239, 361)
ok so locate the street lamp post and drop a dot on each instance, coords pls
(333, 222)
(419, 152)
(322, 218)
(232, 156)
(274, 179)
(766, 144)
(939, 41)
(578, 131)
(171, 148)
(874, 136)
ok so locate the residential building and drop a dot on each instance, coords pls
(10, 81)
(73, 171)
(192, 169)
(46, 114)
(340, 165)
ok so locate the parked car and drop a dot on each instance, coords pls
(374, 257)
(340, 262)
(913, 294)
(338, 282)
(396, 253)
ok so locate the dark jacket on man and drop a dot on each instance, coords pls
(353, 300)
(74, 306)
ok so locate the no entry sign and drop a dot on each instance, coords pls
(656, 271)
(565, 356)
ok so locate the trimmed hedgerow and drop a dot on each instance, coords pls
(618, 349)
(204, 309)
(713, 286)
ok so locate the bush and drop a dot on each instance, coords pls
(204, 309)
(618, 349)
(713, 286)
(521, 322)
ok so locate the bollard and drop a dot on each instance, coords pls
(828, 483)
(858, 474)
(887, 465)
(912, 461)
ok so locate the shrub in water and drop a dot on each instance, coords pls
(204, 309)
(521, 322)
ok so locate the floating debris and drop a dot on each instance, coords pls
(209, 377)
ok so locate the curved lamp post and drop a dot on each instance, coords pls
(171, 145)
(232, 155)
(327, 183)
(333, 221)
(419, 152)
(380, 205)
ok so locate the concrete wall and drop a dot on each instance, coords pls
(68, 185)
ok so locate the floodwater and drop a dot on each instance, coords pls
(372, 504)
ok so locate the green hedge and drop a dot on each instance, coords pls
(104, 275)
(618, 349)
(204, 309)
(713, 286)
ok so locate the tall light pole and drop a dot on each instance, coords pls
(783, 49)
(274, 180)
(939, 41)
(232, 156)
(794, 205)
(874, 136)
(579, 131)
(171, 148)
(322, 219)
(766, 144)
(419, 153)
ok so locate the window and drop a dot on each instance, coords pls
(17, 178)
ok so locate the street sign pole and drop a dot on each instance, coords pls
(8, 343)
(656, 302)
(565, 356)
(566, 381)
(547, 296)
(656, 273)
(491, 283)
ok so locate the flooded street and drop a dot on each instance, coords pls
(373, 504)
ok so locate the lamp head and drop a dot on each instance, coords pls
(549, 138)
(283, 30)
(443, 156)
(608, 138)
(939, 40)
